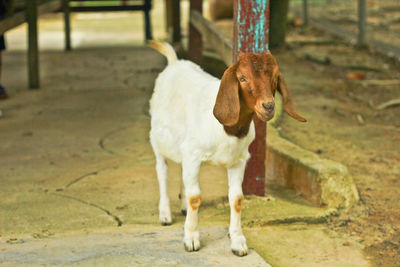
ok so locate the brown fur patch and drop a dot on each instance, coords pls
(238, 203)
(195, 202)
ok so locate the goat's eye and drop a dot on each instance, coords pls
(242, 79)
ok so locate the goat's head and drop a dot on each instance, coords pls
(251, 83)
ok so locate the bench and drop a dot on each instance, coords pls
(105, 6)
(22, 11)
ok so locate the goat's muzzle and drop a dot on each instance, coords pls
(265, 111)
(269, 107)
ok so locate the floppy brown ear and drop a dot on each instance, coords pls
(288, 104)
(227, 105)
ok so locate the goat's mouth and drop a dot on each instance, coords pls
(265, 116)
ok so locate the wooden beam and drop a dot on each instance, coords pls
(106, 8)
(67, 25)
(19, 18)
(251, 32)
(169, 17)
(305, 12)
(124, 2)
(148, 35)
(176, 21)
(12, 21)
(173, 15)
(221, 44)
(33, 51)
(49, 7)
(362, 23)
(195, 42)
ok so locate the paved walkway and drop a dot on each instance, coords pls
(152, 247)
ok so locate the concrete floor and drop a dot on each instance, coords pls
(129, 247)
(76, 157)
(76, 163)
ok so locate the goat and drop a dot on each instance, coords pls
(197, 118)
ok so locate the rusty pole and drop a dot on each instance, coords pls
(251, 32)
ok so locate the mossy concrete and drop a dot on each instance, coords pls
(304, 245)
(323, 182)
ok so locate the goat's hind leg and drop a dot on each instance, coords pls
(182, 197)
(162, 176)
(190, 175)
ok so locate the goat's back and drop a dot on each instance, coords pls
(181, 107)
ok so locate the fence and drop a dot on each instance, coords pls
(372, 23)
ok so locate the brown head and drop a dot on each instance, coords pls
(249, 86)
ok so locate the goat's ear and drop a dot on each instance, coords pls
(288, 105)
(227, 105)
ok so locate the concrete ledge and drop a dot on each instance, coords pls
(323, 182)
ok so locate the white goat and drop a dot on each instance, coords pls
(197, 118)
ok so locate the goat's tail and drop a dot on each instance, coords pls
(165, 49)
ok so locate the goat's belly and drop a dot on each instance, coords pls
(228, 157)
(166, 143)
(169, 152)
(232, 150)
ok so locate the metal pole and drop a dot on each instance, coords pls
(305, 12)
(251, 32)
(33, 50)
(362, 16)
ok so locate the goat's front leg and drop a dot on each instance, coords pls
(190, 175)
(238, 241)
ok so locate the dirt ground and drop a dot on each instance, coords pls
(344, 125)
(383, 20)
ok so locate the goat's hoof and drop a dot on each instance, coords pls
(165, 221)
(239, 253)
(191, 241)
(191, 246)
(238, 245)
(184, 212)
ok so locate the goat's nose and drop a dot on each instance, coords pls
(269, 107)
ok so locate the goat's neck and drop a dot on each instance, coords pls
(241, 128)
